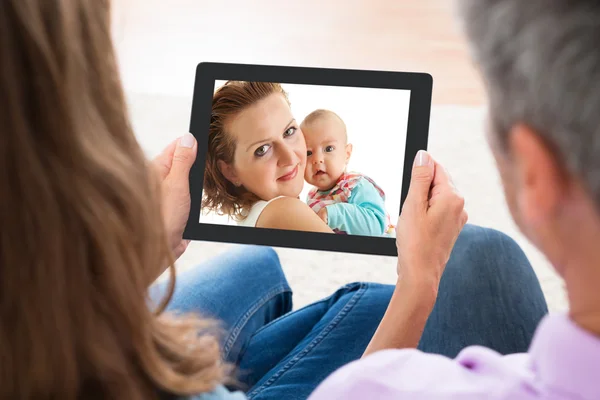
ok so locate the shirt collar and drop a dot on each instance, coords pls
(567, 358)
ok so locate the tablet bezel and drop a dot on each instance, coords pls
(420, 86)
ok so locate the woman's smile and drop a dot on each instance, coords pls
(290, 175)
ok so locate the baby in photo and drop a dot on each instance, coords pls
(349, 202)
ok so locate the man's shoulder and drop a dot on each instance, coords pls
(398, 374)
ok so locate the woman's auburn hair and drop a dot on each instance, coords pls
(220, 195)
(81, 229)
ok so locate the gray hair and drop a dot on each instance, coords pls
(541, 64)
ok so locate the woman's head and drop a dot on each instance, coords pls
(256, 150)
(81, 231)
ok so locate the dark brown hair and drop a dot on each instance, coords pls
(81, 232)
(220, 195)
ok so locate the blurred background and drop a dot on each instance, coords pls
(159, 44)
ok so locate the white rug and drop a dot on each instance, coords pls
(456, 140)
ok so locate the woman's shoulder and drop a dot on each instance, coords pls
(285, 201)
(291, 213)
(251, 216)
(281, 206)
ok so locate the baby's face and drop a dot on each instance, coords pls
(327, 152)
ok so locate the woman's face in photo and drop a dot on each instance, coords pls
(270, 154)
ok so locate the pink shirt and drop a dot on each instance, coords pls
(563, 363)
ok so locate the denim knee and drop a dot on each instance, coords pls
(261, 263)
(488, 239)
(483, 251)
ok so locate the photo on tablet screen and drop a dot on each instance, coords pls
(338, 149)
(302, 157)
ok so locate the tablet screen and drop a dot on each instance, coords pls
(354, 141)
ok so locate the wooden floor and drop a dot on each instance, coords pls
(158, 39)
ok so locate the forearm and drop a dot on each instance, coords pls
(404, 320)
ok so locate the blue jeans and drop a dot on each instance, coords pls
(488, 295)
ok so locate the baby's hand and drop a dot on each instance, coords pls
(323, 214)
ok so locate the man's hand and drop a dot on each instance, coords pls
(432, 217)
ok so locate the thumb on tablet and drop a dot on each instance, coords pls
(421, 180)
(183, 157)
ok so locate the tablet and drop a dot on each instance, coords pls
(341, 142)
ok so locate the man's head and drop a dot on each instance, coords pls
(540, 63)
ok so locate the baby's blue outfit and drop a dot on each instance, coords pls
(363, 214)
(355, 206)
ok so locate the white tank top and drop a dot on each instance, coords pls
(255, 212)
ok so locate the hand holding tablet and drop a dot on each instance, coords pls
(304, 157)
(431, 220)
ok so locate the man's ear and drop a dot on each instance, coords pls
(348, 152)
(229, 173)
(540, 180)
